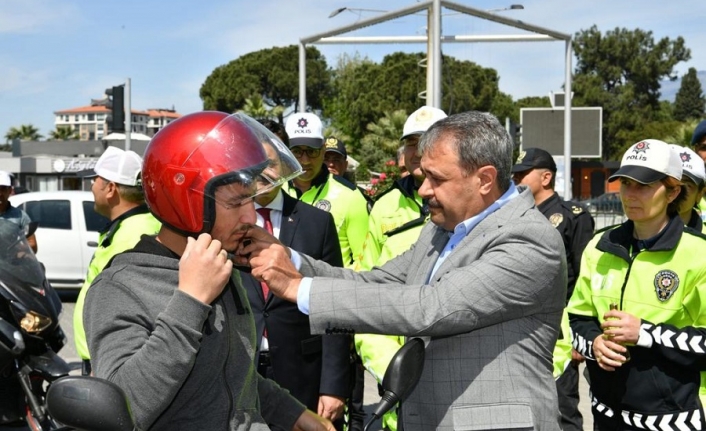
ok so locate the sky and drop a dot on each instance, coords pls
(59, 54)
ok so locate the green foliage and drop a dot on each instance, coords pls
(63, 133)
(272, 74)
(382, 141)
(351, 107)
(363, 91)
(690, 102)
(256, 108)
(682, 133)
(621, 71)
(25, 132)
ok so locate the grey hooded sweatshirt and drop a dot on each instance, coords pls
(184, 365)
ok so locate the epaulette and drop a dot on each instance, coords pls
(344, 181)
(694, 232)
(574, 207)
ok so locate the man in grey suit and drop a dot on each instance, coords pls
(484, 286)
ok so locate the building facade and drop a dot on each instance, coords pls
(91, 122)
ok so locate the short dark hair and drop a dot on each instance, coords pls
(275, 127)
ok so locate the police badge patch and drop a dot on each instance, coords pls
(556, 219)
(323, 204)
(666, 283)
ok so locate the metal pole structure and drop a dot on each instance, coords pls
(302, 77)
(434, 57)
(128, 115)
(567, 123)
(428, 63)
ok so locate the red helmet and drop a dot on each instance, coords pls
(189, 158)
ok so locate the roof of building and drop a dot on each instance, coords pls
(100, 109)
(167, 113)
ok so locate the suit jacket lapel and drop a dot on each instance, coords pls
(438, 241)
(288, 226)
(492, 223)
(290, 220)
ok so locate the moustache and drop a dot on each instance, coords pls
(433, 203)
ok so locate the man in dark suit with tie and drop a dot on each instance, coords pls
(314, 368)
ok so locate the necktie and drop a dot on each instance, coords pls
(265, 213)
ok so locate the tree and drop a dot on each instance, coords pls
(351, 107)
(682, 134)
(382, 141)
(621, 71)
(690, 101)
(273, 74)
(63, 133)
(26, 132)
(363, 91)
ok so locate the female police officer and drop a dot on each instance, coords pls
(644, 356)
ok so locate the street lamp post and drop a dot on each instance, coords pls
(352, 9)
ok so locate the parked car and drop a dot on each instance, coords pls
(605, 203)
(67, 234)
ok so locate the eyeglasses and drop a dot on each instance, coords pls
(311, 153)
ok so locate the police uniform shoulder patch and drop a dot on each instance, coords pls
(323, 204)
(556, 219)
(666, 283)
(520, 157)
(576, 209)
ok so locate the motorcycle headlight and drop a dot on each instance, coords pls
(34, 323)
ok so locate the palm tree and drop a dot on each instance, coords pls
(63, 133)
(12, 134)
(387, 131)
(381, 143)
(682, 135)
(26, 132)
(256, 107)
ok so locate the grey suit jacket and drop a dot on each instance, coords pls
(492, 310)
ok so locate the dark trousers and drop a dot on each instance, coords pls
(567, 389)
(264, 368)
(356, 413)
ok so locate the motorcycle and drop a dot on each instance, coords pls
(93, 404)
(30, 335)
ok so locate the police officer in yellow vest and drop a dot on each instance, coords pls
(637, 314)
(396, 220)
(117, 191)
(693, 177)
(317, 187)
(536, 169)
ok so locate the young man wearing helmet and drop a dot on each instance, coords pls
(169, 321)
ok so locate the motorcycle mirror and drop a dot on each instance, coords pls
(89, 404)
(31, 228)
(401, 376)
(11, 341)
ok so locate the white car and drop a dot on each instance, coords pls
(67, 234)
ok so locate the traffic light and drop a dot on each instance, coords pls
(116, 103)
(515, 133)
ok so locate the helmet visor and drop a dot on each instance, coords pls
(240, 150)
(281, 165)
